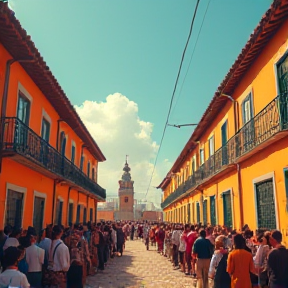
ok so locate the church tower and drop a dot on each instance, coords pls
(126, 195)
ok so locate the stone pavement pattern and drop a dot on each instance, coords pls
(139, 268)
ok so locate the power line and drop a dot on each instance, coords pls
(173, 94)
(196, 42)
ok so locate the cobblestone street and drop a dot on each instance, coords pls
(139, 268)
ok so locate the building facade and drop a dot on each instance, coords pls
(48, 159)
(234, 168)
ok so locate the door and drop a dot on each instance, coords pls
(84, 215)
(71, 209)
(45, 135)
(91, 214)
(212, 211)
(282, 75)
(38, 215)
(78, 214)
(59, 220)
(198, 212)
(21, 129)
(62, 151)
(188, 213)
(227, 207)
(14, 208)
(205, 212)
(265, 204)
(224, 136)
(248, 131)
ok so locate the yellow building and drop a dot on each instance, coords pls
(234, 168)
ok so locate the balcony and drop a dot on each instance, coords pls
(28, 148)
(268, 126)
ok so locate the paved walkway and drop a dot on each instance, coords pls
(139, 268)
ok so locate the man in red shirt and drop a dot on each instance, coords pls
(189, 236)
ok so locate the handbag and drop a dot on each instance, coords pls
(51, 261)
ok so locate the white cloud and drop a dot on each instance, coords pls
(118, 130)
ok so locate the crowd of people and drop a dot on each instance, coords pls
(220, 257)
(57, 257)
(64, 257)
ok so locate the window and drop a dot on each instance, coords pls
(201, 156)
(282, 73)
(45, 131)
(14, 208)
(198, 212)
(23, 110)
(70, 216)
(81, 163)
(88, 169)
(211, 146)
(62, 143)
(126, 199)
(73, 151)
(247, 109)
(194, 164)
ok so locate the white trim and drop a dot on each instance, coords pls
(60, 198)
(23, 190)
(46, 116)
(22, 89)
(257, 180)
(40, 195)
(71, 201)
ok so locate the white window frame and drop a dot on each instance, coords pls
(209, 141)
(19, 189)
(22, 89)
(255, 181)
(276, 62)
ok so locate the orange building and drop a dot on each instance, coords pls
(48, 159)
(234, 168)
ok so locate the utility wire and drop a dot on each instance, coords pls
(173, 94)
(196, 42)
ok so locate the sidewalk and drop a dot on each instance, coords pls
(139, 268)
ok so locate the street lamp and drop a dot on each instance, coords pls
(181, 125)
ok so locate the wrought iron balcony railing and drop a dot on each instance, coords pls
(268, 122)
(19, 138)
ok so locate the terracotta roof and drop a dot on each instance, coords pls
(265, 30)
(15, 39)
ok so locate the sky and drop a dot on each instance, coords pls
(117, 61)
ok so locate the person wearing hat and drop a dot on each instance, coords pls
(12, 240)
(35, 259)
(12, 277)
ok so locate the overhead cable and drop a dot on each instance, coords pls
(173, 94)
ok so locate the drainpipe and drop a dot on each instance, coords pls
(9, 63)
(240, 196)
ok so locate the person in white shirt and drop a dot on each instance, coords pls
(11, 277)
(45, 244)
(59, 260)
(12, 240)
(35, 260)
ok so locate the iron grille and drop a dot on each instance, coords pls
(269, 121)
(227, 209)
(19, 138)
(212, 211)
(265, 204)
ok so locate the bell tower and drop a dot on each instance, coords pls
(126, 194)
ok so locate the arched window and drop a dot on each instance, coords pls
(126, 199)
